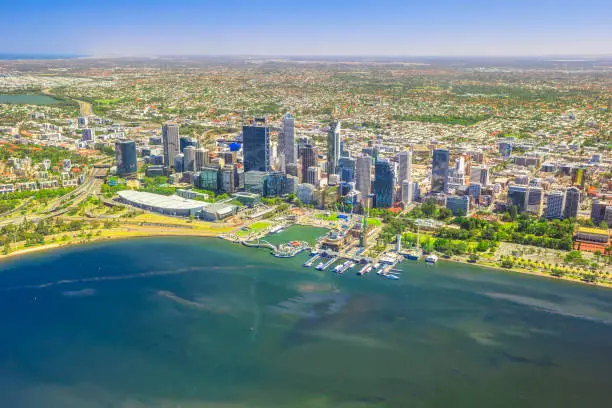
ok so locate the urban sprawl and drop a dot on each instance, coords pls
(500, 164)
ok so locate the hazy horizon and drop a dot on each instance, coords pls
(366, 28)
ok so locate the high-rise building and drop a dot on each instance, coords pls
(227, 180)
(475, 174)
(201, 158)
(254, 182)
(598, 212)
(384, 183)
(125, 155)
(439, 171)
(474, 191)
(363, 181)
(274, 184)
(347, 169)
(572, 202)
(256, 146)
(179, 163)
(405, 165)
(89, 135)
(313, 175)
(309, 159)
(534, 200)
(185, 141)
(189, 158)
(333, 148)
(209, 178)
(170, 141)
(555, 204)
(407, 193)
(286, 140)
(517, 196)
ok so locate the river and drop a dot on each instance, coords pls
(200, 322)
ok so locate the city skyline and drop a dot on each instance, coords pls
(364, 28)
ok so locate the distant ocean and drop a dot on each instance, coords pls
(38, 56)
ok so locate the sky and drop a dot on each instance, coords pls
(308, 27)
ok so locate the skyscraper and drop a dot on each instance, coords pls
(384, 183)
(479, 174)
(170, 141)
(405, 165)
(125, 155)
(333, 148)
(439, 171)
(309, 159)
(572, 202)
(555, 204)
(201, 158)
(363, 182)
(179, 163)
(185, 141)
(189, 158)
(407, 193)
(313, 176)
(534, 200)
(256, 146)
(517, 196)
(347, 169)
(286, 140)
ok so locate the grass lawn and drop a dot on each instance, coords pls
(332, 217)
(375, 222)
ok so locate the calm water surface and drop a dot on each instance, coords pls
(190, 322)
(28, 99)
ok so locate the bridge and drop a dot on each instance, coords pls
(259, 244)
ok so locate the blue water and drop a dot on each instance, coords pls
(195, 322)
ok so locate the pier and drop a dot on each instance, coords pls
(327, 264)
(311, 261)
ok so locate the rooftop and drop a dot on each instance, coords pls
(173, 202)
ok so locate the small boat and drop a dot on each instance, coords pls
(391, 276)
(413, 255)
(431, 259)
(319, 267)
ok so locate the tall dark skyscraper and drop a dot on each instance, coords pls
(170, 141)
(309, 159)
(572, 202)
(286, 140)
(125, 155)
(256, 146)
(333, 148)
(439, 171)
(384, 183)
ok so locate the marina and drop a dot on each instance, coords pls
(343, 247)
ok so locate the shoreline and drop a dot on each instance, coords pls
(527, 272)
(125, 235)
(144, 233)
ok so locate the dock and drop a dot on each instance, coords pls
(311, 261)
(327, 264)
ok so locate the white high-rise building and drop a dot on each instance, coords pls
(405, 166)
(170, 141)
(555, 204)
(407, 191)
(363, 180)
(333, 148)
(189, 158)
(286, 140)
(201, 158)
